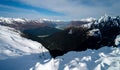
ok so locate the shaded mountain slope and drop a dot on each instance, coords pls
(41, 31)
(97, 34)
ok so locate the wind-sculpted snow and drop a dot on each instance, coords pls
(105, 58)
(12, 44)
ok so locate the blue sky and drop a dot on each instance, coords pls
(58, 9)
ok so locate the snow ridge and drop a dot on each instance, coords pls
(23, 20)
(104, 21)
(12, 20)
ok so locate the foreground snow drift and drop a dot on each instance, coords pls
(12, 44)
(105, 58)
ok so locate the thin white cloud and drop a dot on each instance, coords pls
(24, 13)
(16, 9)
(73, 9)
(76, 9)
(19, 12)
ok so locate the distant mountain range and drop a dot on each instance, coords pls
(22, 23)
(41, 26)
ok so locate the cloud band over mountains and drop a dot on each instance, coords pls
(58, 9)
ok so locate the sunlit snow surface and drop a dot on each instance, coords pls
(12, 44)
(105, 58)
(18, 53)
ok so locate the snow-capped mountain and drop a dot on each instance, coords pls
(49, 20)
(12, 20)
(104, 21)
(107, 21)
(22, 20)
(88, 19)
(23, 24)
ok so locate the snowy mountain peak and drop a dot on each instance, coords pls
(104, 18)
(12, 20)
(20, 19)
(109, 21)
(88, 19)
(48, 20)
(104, 21)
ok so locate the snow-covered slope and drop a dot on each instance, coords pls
(12, 44)
(105, 58)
